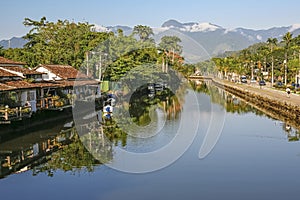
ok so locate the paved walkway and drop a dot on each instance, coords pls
(267, 91)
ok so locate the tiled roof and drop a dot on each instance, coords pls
(20, 84)
(15, 85)
(8, 61)
(78, 83)
(4, 73)
(4, 87)
(65, 71)
(22, 70)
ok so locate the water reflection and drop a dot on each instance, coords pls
(90, 143)
(31, 150)
(233, 104)
(292, 133)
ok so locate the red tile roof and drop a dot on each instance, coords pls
(8, 61)
(4, 73)
(4, 87)
(15, 85)
(22, 70)
(20, 84)
(65, 71)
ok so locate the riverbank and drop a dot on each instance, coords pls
(35, 122)
(272, 102)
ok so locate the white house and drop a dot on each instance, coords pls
(70, 78)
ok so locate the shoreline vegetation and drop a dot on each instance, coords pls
(103, 57)
(272, 102)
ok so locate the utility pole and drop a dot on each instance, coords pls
(87, 63)
(100, 67)
(285, 72)
(297, 76)
(252, 75)
(272, 79)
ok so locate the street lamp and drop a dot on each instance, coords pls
(272, 81)
(252, 75)
(285, 72)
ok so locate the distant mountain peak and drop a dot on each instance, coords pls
(100, 28)
(294, 27)
(191, 26)
(172, 23)
(202, 27)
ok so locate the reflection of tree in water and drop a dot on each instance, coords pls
(218, 95)
(72, 157)
(141, 105)
(76, 157)
(235, 105)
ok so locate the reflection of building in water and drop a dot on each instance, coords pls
(22, 154)
(66, 151)
(96, 142)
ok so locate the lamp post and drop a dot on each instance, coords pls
(272, 72)
(285, 72)
(252, 75)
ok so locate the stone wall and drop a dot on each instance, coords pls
(274, 107)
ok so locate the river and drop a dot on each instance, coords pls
(207, 145)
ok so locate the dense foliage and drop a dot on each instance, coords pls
(259, 60)
(99, 54)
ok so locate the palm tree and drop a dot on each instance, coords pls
(144, 32)
(287, 38)
(271, 42)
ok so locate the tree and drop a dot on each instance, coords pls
(1, 50)
(60, 42)
(144, 32)
(171, 43)
(272, 42)
(287, 38)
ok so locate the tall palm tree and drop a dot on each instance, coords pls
(272, 42)
(144, 32)
(287, 38)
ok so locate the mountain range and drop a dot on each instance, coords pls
(197, 38)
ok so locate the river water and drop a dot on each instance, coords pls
(227, 150)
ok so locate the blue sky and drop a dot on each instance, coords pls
(255, 14)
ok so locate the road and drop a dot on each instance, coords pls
(267, 91)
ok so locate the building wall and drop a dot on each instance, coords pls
(49, 76)
(29, 96)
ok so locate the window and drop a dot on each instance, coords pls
(30, 95)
